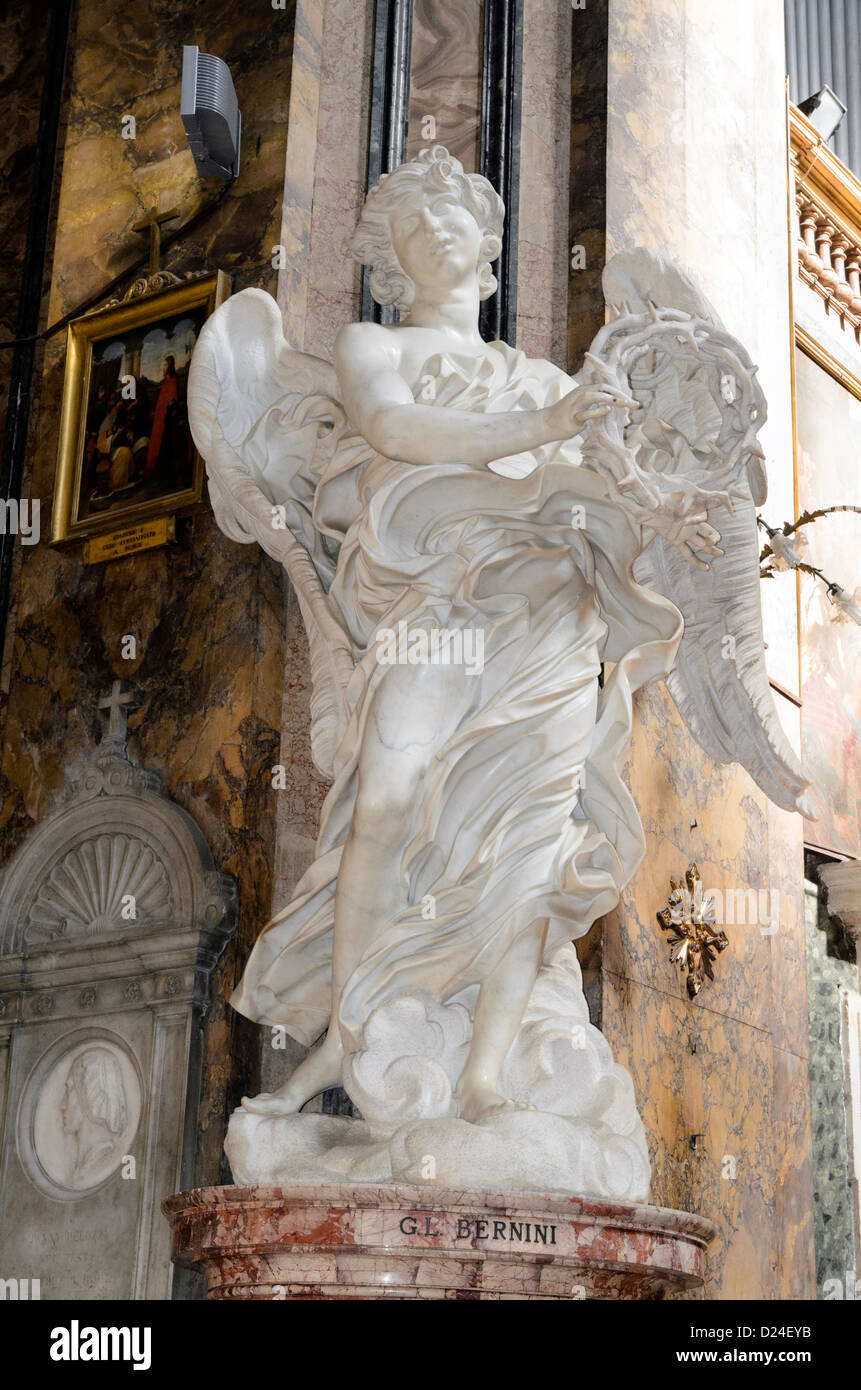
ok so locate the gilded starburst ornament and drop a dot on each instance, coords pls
(695, 941)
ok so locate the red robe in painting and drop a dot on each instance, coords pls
(168, 394)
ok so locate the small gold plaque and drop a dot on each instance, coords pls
(143, 537)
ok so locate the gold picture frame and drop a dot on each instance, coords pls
(125, 452)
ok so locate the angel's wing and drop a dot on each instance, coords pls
(265, 419)
(693, 449)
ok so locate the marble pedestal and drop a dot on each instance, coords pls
(366, 1241)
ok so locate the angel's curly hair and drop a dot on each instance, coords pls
(434, 171)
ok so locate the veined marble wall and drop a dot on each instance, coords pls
(542, 245)
(207, 614)
(445, 77)
(587, 181)
(696, 167)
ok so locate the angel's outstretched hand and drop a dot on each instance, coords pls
(568, 416)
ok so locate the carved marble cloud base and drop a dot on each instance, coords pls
(519, 1149)
(405, 1241)
(575, 1128)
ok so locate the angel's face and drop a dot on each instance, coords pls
(436, 240)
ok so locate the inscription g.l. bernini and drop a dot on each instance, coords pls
(426, 1226)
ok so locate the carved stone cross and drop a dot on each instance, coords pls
(152, 221)
(116, 703)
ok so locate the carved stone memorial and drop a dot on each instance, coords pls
(111, 919)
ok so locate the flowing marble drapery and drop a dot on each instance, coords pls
(531, 552)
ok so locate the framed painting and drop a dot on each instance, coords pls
(126, 455)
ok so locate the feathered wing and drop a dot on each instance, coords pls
(266, 419)
(693, 447)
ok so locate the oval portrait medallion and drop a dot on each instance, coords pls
(79, 1113)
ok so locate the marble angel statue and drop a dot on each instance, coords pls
(587, 536)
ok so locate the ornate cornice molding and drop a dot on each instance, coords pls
(828, 223)
(820, 171)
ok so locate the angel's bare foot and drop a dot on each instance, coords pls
(480, 1101)
(319, 1071)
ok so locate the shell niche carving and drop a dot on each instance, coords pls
(109, 883)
